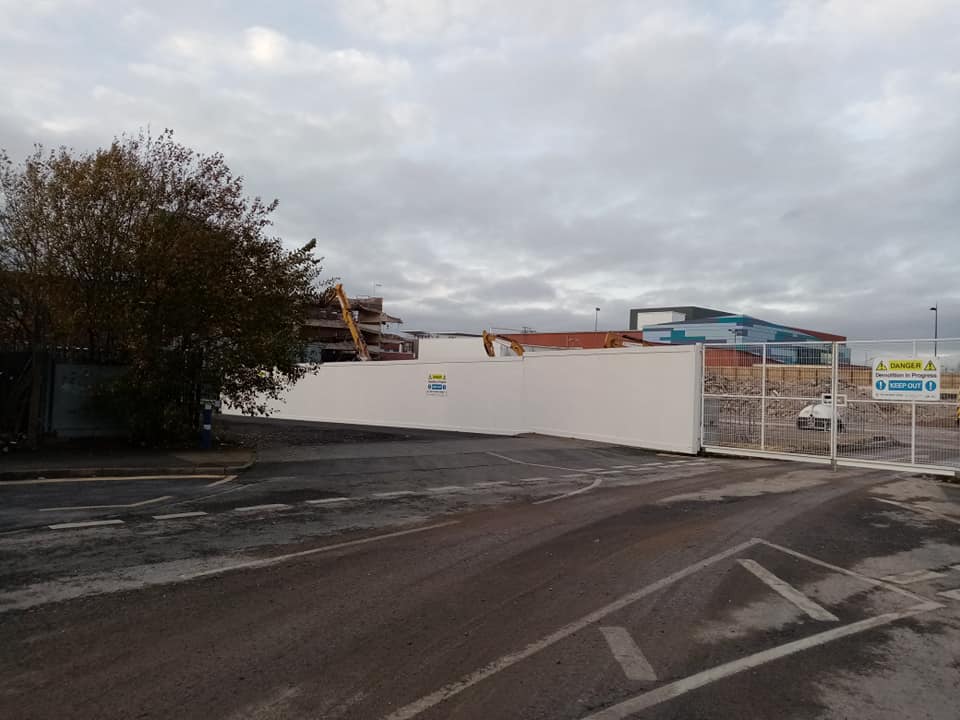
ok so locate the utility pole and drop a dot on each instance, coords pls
(936, 326)
(596, 318)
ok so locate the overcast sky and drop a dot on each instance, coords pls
(498, 163)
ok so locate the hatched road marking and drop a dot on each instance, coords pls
(679, 687)
(256, 508)
(327, 501)
(952, 594)
(914, 576)
(788, 592)
(630, 707)
(591, 486)
(628, 654)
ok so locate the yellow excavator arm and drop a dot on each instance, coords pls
(355, 333)
(489, 339)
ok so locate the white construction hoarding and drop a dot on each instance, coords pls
(645, 397)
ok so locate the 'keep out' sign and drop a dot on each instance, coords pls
(911, 379)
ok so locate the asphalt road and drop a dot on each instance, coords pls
(450, 577)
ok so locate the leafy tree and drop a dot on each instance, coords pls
(150, 254)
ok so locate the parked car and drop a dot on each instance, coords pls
(818, 417)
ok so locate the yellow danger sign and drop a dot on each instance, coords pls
(882, 366)
(437, 377)
(906, 365)
(929, 367)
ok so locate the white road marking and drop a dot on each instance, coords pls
(549, 467)
(227, 479)
(921, 510)
(531, 480)
(278, 559)
(788, 592)
(955, 567)
(623, 467)
(177, 516)
(108, 478)
(844, 571)
(393, 494)
(108, 507)
(593, 470)
(573, 475)
(491, 483)
(580, 491)
(327, 501)
(628, 654)
(467, 681)
(446, 489)
(257, 508)
(914, 576)
(952, 594)
(630, 707)
(609, 472)
(87, 524)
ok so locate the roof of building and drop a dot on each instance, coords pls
(690, 312)
(729, 318)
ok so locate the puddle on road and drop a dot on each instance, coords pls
(788, 482)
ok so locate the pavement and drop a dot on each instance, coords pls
(63, 462)
(439, 576)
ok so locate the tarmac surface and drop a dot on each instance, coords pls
(428, 575)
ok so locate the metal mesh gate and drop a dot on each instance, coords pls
(815, 401)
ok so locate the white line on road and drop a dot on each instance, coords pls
(952, 594)
(227, 479)
(549, 467)
(852, 573)
(914, 576)
(393, 494)
(108, 507)
(87, 524)
(628, 654)
(467, 681)
(624, 467)
(788, 592)
(257, 508)
(531, 480)
(491, 483)
(591, 486)
(630, 707)
(278, 559)
(108, 478)
(573, 475)
(446, 489)
(327, 501)
(178, 516)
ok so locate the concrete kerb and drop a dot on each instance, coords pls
(86, 472)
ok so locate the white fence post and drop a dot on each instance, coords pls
(763, 400)
(913, 422)
(834, 385)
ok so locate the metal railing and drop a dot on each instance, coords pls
(815, 401)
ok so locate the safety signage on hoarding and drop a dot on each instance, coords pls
(915, 378)
(437, 384)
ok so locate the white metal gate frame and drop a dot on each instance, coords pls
(834, 458)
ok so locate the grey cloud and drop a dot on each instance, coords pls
(499, 164)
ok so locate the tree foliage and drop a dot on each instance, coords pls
(152, 255)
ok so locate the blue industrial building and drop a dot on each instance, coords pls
(687, 325)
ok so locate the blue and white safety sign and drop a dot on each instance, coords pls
(911, 379)
(437, 384)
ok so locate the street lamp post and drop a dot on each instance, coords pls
(936, 326)
(596, 318)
